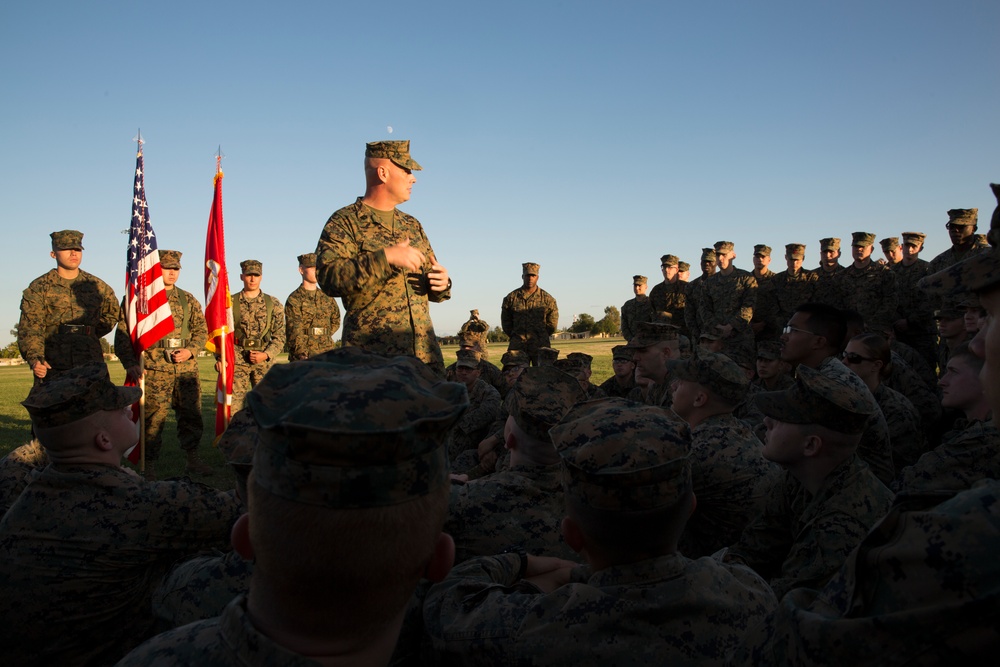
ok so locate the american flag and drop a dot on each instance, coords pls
(147, 312)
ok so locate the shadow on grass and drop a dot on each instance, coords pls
(14, 432)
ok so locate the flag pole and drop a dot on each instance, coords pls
(223, 361)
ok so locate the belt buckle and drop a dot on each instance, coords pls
(318, 331)
(250, 342)
(172, 342)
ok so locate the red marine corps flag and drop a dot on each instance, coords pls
(219, 306)
(147, 313)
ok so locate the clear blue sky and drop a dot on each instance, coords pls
(590, 137)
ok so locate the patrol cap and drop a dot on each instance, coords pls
(709, 335)
(76, 393)
(743, 354)
(354, 429)
(969, 300)
(397, 151)
(683, 266)
(713, 370)
(67, 239)
(622, 456)
(170, 259)
(963, 216)
(621, 353)
(769, 349)
(530, 269)
(795, 251)
(950, 309)
(913, 238)
(307, 260)
(829, 243)
(889, 243)
(669, 260)
(762, 250)
(708, 254)
(683, 346)
(546, 355)
(241, 438)
(862, 239)
(583, 357)
(834, 397)
(514, 358)
(572, 367)
(651, 333)
(542, 397)
(723, 247)
(468, 358)
(251, 267)
(470, 339)
(639, 280)
(973, 274)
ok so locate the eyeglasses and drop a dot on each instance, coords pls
(952, 225)
(854, 358)
(789, 329)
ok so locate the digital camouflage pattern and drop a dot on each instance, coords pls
(255, 331)
(311, 319)
(230, 639)
(780, 296)
(488, 373)
(529, 320)
(522, 506)
(541, 398)
(903, 420)
(397, 151)
(613, 389)
(832, 396)
(713, 370)
(75, 394)
(667, 302)
(97, 539)
(870, 290)
(168, 384)
(200, 588)
(727, 299)
(969, 455)
(730, 477)
(904, 379)
(386, 308)
(376, 424)
(474, 424)
(693, 297)
(801, 539)
(51, 301)
(634, 311)
(620, 456)
(920, 589)
(16, 471)
(67, 239)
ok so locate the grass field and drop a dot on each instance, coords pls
(15, 427)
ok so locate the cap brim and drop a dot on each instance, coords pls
(778, 405)
(970, 275)
(126, 396)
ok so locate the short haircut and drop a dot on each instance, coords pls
(358, 566)
(825, 321)
(971, 359)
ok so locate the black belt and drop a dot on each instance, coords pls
(76, 329)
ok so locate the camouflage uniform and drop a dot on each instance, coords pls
(168, 384)
(661, 610)
(957, 463)
(311, 319)
(522, 506)
(801, 539)
(783, 294)
(474, 424)
(488, 373)
(728, 299)
(903, 421)
(16, 471)
(200, 588)
(827, 286)
(611, 388)
(110, 526)
(913, 306)
(953, 255)
(694, 297)
(634, 311)
(730, 478)
(870, 290)
(920, 589)
(386, 307)
(255, 331)
(63, 320)
(529, 319)
(905, 380)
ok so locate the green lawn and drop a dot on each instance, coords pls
(15, 382)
